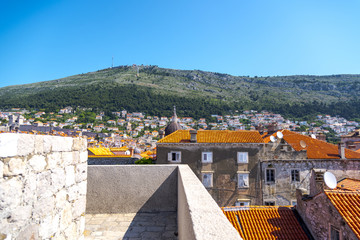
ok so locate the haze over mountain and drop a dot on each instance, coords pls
(196, 93)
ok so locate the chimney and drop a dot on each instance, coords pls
(316, 181)
(193, 134)
(161, 133)
(342, 150)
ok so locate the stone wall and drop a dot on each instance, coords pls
(43, 181)
(283, 191)
(319, 215)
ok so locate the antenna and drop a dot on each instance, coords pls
(272, 139)
(313, 136)
(279, 135)
(112, 64)
(303, 144)
(330, 180)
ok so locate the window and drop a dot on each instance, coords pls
(206, 157)
(243, 180)
(174, 156)
(242, 157)
(269, 203)
(270, 175)
(242, 203)
(295, 175)
(334, 234)
(207, 179)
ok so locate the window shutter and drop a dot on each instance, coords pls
(169, 157)
(241, 180)
(210, 157)
(246, 180)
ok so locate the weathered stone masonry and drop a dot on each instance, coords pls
(43, 183)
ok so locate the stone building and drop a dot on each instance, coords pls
(352, 140)
(332, 214)
(245, 168)
(225, 161)
(287, 164)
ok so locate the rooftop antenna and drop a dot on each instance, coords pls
(330, 180)
(280, 135)
(112, 64)
(272, 139)
(313, 136)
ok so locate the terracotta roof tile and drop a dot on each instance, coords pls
(214, 136)
(315, 148)
(101, 151)
(348, 205)
(265, 222)
(349, 184)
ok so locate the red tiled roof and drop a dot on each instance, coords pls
(349, 184)
(315, 148)
(265, 222)
(348, 205)
(214, 136)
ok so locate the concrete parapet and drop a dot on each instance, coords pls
(199, 216)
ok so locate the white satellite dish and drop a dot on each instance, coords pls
(302, 143)
(279, 135)
(272, 139)
(313, 136)
(330, 180)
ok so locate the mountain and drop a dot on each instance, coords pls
(195, 93)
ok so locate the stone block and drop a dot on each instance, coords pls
(76, 157)
(30, 232)
(81, 225)
(43, 185)
(21, 213)
(81, 172)
(1, 169)
(48, 227)
(67, 158)
(61, 199)
(39, 144)
(62, 144)
(47, 143)
(83, 156)
(73, 193)
(65, 216)
(54, 160)
(16, 166)
(57, 179)
(77, 144)
(8, 144)
(29, 194)
(38, 163)
(78, 207)
(43, 207)
(71, 231)
(26, 144)
(10, 193)
(82, 187)
(69, 175)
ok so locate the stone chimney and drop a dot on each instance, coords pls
(316, 181)
(161, 133)
(321, 137)
(342, 150)
(193, 136)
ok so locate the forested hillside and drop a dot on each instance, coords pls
(195, 93)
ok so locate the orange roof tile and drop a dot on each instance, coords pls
(101, 151)
(348, 205)
(265, 222)
(214, 136)
(315, 148)
(349, 184)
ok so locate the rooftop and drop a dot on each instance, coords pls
(348, 205)
(214, 136)
(265, 222)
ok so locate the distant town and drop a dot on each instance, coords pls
(142, 130)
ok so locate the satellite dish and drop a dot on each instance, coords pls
(313, 136)
(279, 135)
(272, 139)
(330, 180)
(303, 144)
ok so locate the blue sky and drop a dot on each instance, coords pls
(47, 39)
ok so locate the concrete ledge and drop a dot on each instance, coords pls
(199, 217)
(131, 188)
